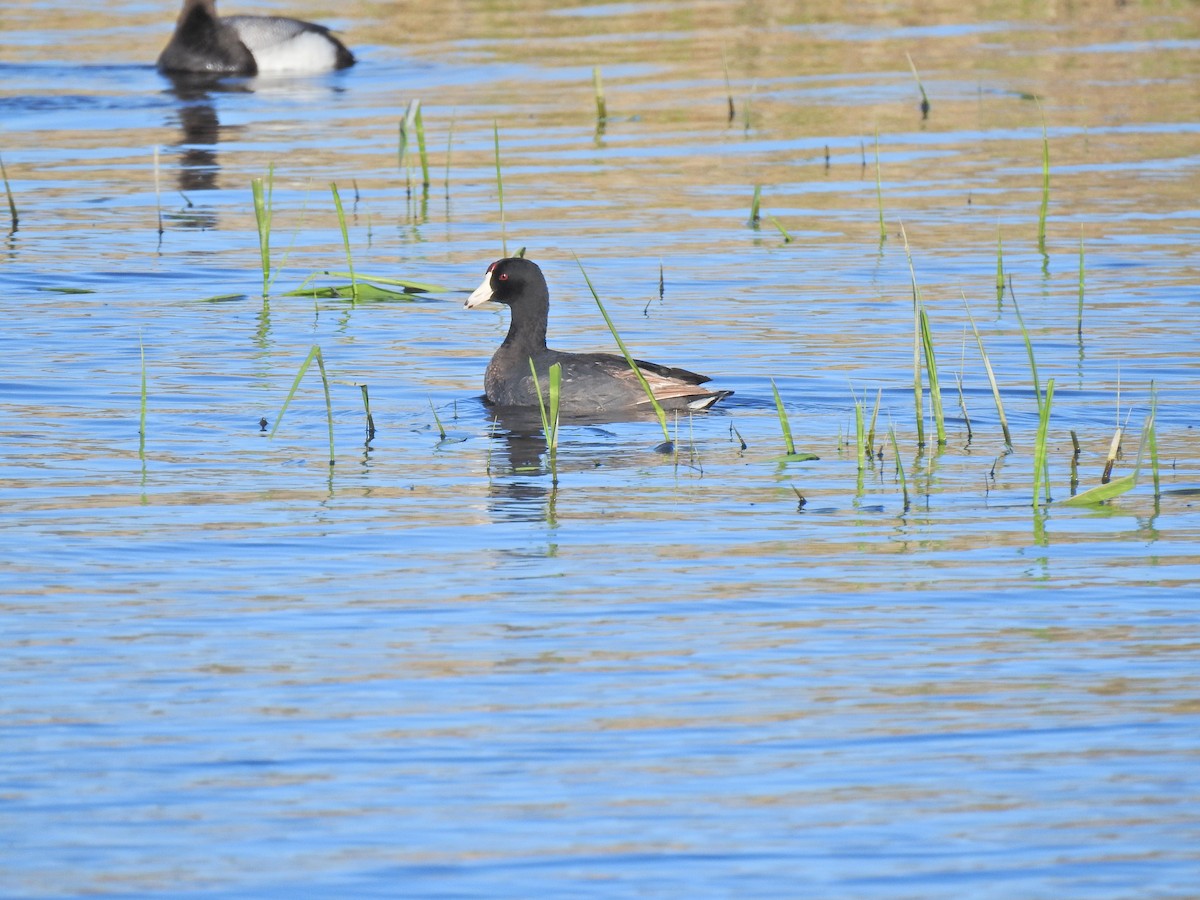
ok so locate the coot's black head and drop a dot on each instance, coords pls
(514, 280)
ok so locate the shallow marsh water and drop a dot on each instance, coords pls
(232, 670)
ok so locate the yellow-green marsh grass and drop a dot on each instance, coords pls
(14, 219)
(337, 202)
(262, 216)
(314, 353)
(991, 375)
(785, 426)
(667, 445)
(1040, 467)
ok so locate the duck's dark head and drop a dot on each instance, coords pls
(514, 280)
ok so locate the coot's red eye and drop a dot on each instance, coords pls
(504, 276)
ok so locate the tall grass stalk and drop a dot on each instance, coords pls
(549, 410)
(158, 191)
(860, 436)
(262, 215)
(601, 104)
(918, 388)
(924, 97)
(407, 136)
(899, 466)
(142, 413)
(1079, 312)
(999, 267)
(1114, 450)
(419, 121)
(935, 390)
(314, 353)
(658, 410)
(1107, 491)
(1152, 437)
(337, 202)
(1041, 470)
(1045, 183)
(500, 188)
(754, 205)
(787, 238)
(987, 365)
(437, 420)
(367, 409)
(1037, 385)
(874, 420)
(879, 190)
(784, 425)
(449, 151)
(962, 405)
(14, 219)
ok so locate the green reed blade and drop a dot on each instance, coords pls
(999, 267)
(555, 403)
(787, 238)
(1040, 467)
(1079, 313)
(367, 409)
(158, 191)
(1117, 486)
(899, 466)
(658, 410)
(601, 105)
(407, 136)
(879, 190)
(935, 390)
(410, 286)
(962, 405)
(437, 420)
(874, 419)
(784, 425)
(754, 205)
(924, 97)
(545, 414)
(420, 127)
(449, 150)
(499, 188)
(1037, 387)
(918, 388)
(1152, 438)
(314, 353)
(860, 436)
(262, 215)
(328, 403)
(142, 413)
(337, 202)
(991, 375)
(1045, 183)
(14, 219)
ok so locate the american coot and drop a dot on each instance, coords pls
(203, 42)
(592, 383)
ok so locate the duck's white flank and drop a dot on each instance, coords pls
(306, 51)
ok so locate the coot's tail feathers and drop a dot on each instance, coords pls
(672, 373)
